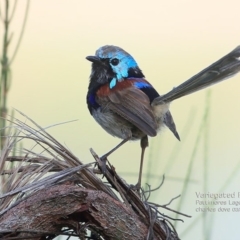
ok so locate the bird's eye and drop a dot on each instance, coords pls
(114, 61)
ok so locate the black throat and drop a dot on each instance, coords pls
(100, 76)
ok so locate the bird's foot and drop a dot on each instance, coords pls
(136, 188)
(102, 165)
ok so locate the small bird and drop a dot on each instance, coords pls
(127, 106)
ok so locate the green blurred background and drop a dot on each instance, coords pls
(171, 41)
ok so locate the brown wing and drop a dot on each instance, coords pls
(133, 105)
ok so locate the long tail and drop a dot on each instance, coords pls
(222, 69)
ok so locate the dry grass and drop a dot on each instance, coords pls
(32, 174)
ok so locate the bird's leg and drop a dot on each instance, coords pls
(104, 157)
(144, 144)
(115, 148)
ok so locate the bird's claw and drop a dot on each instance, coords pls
(135, 188)
(102, 165)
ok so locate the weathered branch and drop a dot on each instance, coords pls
(51, 209)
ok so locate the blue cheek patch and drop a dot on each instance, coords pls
(113, 83)
(142, 85)
(122, 72)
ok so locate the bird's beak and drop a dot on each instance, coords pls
(94, 59)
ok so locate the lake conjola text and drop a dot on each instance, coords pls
(217, 202)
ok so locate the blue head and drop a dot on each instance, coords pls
(112, 64)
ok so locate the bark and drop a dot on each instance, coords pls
(65, 205)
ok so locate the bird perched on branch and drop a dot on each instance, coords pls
(127, 106)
